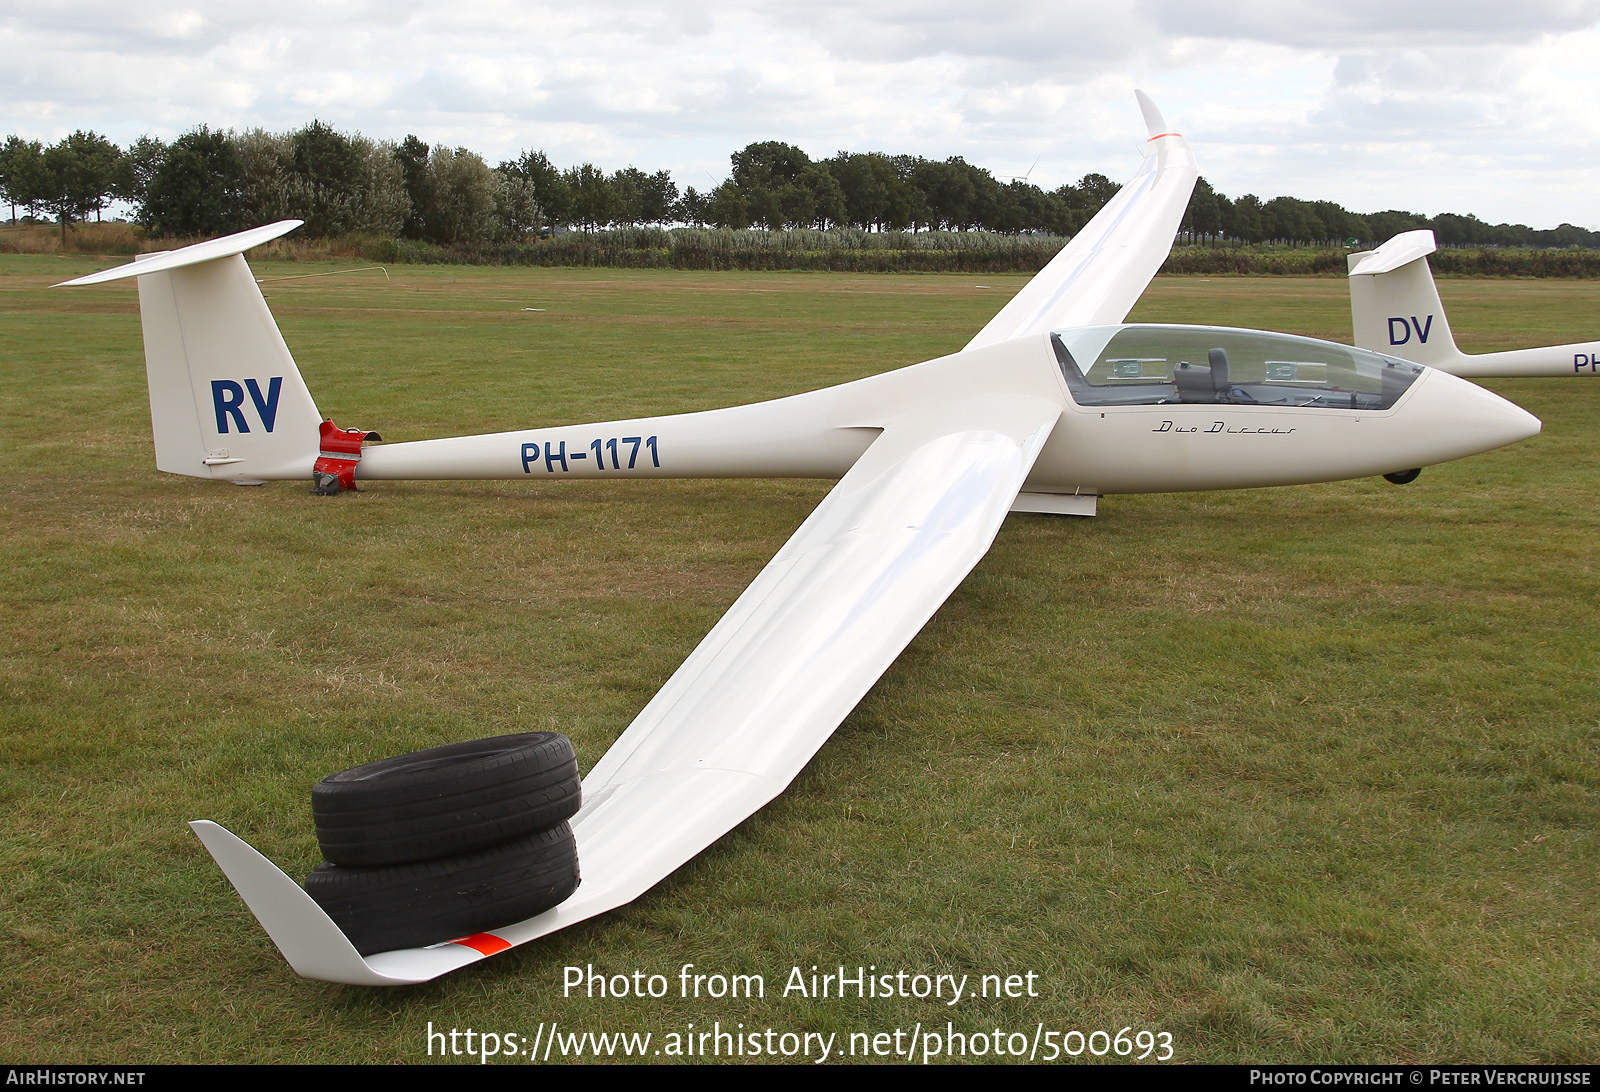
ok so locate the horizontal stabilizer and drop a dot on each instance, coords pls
(208, 251)
(1403, 249)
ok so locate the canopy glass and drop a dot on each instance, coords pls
(1216, 365)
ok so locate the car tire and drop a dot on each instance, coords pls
(447, 800)
(412, 905)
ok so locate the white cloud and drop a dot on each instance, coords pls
(1469, 105)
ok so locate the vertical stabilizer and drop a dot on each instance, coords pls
(226, 399)
(1395, 305)
(1395, 308)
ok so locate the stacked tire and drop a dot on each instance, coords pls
(447, 842)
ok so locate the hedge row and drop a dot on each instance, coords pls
(931, 252)
(844, 250)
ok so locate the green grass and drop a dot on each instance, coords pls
(1295, 774)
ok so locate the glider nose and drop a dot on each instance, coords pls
(1492, 421)
(1460, 418)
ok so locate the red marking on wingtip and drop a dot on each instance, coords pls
(483, 943)
(1158, 136)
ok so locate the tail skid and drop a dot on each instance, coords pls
(1395, 309)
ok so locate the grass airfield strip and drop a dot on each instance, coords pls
(1294, 774)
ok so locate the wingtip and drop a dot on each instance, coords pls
(1153, 121)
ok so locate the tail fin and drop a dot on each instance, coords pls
(226, 400)
(1395, 305)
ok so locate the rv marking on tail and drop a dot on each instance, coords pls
(227, 398)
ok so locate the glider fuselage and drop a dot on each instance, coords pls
(1161, 443)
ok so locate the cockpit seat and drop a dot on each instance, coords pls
(1194, 382)
(1226, 391)
(1218, 359)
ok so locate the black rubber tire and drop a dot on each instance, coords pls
(446, 800)
(411, 905)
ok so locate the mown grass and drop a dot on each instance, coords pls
(1296, 774)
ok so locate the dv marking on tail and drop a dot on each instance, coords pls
(1423, 329)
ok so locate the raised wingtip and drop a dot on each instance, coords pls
(1153, 121)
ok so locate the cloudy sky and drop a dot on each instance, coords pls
(1484, 106)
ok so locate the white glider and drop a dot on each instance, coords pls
(1395, 308)
(1054, 403)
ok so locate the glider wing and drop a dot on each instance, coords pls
(1099, 276)
(760, 694)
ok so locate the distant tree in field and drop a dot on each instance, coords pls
(950, 190)
(1243, 219)
(382, 202)
(138, 165)
(1022, 208)
(875, 196)
(464, 191)
(199, 187)
(516, 209)
(627, 188)
(727, 207)
(1383, 226)
(268, 190)
(827, 199)
(328, 168)
(767, 177)
(691, 208)
(76, 178)
(1097, 190)
(550, 188)
(639, 198)
(658, 199)
(1451, 229)
(594, 201)
(412, 155)
(767, 165)
(336, 183)
(21, 168)
(1203, 217)
(327, 180)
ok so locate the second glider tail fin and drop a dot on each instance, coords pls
(1395, 305)
(1396, 309)
(226, 399)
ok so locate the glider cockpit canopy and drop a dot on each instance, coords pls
(1142, 365)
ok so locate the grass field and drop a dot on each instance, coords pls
(1302, 774)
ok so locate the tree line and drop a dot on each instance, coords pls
(209, 182)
